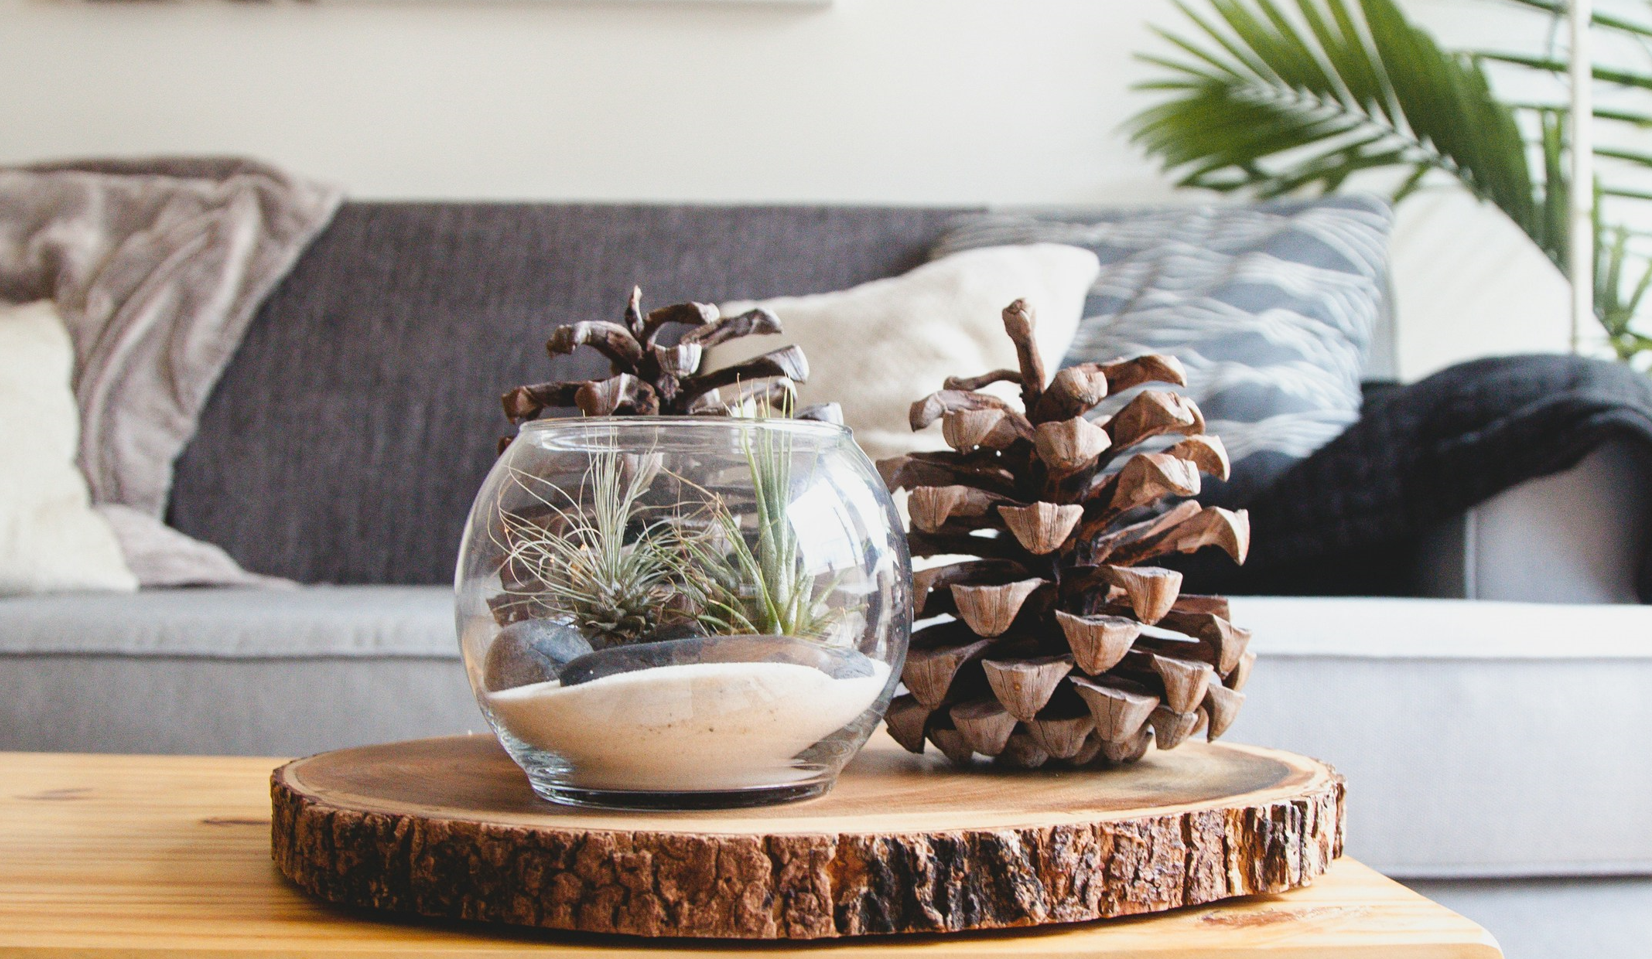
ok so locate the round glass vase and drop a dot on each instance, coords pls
(683, 612)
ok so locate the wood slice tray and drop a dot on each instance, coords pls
(903, 844)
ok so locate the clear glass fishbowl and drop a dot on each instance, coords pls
(683, 612)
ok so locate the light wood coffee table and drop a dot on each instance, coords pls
(132, 856)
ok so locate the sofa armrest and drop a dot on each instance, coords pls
(1577, 536)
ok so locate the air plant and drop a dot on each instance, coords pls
(618, 569)
(765, 589)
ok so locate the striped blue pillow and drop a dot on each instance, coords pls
(1270, 307)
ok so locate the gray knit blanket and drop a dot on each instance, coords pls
(157, 267)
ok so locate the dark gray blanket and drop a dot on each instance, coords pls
(1347, 520)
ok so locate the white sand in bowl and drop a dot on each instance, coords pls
(691, 727)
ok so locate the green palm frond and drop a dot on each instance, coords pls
(1273, 98)
(1275, 103)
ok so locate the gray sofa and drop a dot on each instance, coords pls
(1494, 749)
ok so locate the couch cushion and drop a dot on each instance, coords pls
(1478, 738)
(344, 621)
(261, 672)
(347, 437)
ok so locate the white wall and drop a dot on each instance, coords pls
(898, 101)
(919, 101)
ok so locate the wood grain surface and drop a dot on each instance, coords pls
(903, 844)
(151, 856)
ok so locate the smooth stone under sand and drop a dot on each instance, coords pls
(698, 726)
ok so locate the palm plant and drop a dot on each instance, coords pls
(1274, 101)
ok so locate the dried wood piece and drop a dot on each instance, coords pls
(989, 610)
(1087, 753)
(1153, 413)
(716, 331)
(1171, 728)
(1041, 527)
(1206, 452)
(822, 413)
(903, 845)
(1144, 479)
(1185, 683)
(1098, 642)
(1130, 750)
(616, 394)
(947, 468)
(633, 314)
(671, 376)
(931, 507)
(1151, 591)
(951, 744)
(1118, 713)
(1061, 736)
(681, 316)
(1188, 649)
(1198, 603)
(526, 402)
(680, 360)
(1073, 391)
(938, 404)
(1210, 526)
(906, 718)
(929, 672)
(1214, 526)
(940, 579)
(774, 392)
(674, 363)
(1019, 323)
(1147, 368)
(1226, 641)
(788, 362)
(610, 339)
(971, 383)
(1025, 686)
(992, 429)
(1021, 751)
(1241, 673)
(1102, 548)
(984, 724)
(1221, 708)
(1069, 445)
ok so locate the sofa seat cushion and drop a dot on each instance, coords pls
(1479, 739)
(243, 671)
(330, 621)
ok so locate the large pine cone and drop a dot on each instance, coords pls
(1061, 643)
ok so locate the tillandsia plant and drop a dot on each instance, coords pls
(767, 588)
(598, 557)
(1276, 98)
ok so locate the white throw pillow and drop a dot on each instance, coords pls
(50, 539)
(877, 347)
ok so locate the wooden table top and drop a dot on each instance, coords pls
(137, 856)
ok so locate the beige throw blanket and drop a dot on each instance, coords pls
(157, 267)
